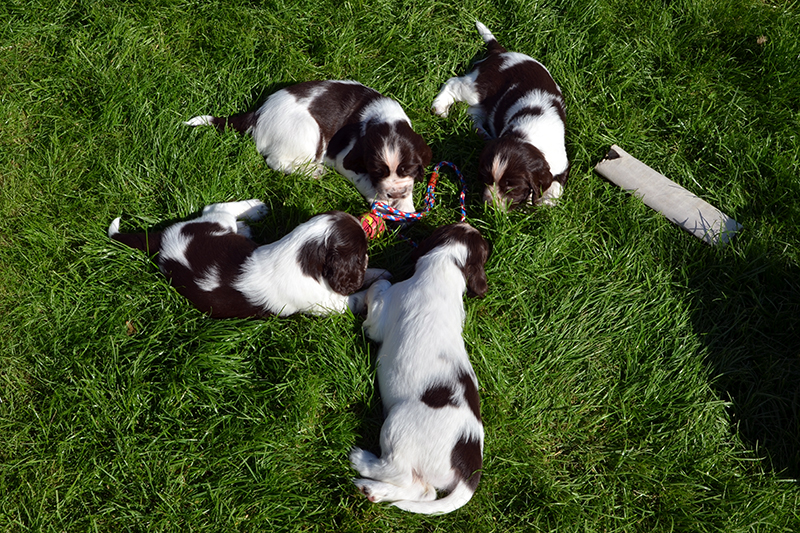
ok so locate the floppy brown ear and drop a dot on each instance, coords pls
(477, 284)
(344, 268)
(345, 260)
(425, 154)
(342, 264)
(354, 160)
(474, 270)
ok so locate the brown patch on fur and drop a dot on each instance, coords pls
(438, 396)
(466, 459)
(471, 394)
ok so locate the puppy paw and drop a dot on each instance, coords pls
(551, 195)
(373, 490)
(440, 108)
(362, 460)
(375, 274)
(357, 302)
(201, 120)
(319, 171)
(255, 210)
(243, 229)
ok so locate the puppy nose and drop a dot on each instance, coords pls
(393, 194)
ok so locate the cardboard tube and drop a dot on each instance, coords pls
(681, 207)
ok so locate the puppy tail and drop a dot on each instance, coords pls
(150, 242)
(488, 38)
(457, 498)
(243, 122)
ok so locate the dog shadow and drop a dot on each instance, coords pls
(748, 316)
(746, 312)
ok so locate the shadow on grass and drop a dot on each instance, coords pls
(748, 315)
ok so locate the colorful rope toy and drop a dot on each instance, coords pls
(373, 224)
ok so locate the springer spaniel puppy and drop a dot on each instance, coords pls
(212, 261)
(364, 135)
(432, 436)
(516, 104)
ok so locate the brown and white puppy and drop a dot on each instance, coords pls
(212, 261)
(516, 104)
(364, 135)
(432, 436)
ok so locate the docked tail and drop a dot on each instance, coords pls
(243, 122)
(150, 242)
(487, 36)
(457, 498)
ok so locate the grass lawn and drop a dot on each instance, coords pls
(632, 378)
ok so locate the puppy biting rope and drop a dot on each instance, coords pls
(373, 221)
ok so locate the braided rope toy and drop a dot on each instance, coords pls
(373, 222)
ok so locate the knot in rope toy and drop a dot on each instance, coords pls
(373, 222)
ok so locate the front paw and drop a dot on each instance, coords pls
(375, 491)
(441, 107)
(243, 229)
(256, 210)
(376, 289)
(361, 460)
(375, 274)
(357, 303)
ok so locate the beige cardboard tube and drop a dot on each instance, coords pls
(681, 207)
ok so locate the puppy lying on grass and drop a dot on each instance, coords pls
(519, 108)
(212, 261)
(432, 438)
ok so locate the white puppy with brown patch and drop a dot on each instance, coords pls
(519, 108)
(365, 136)
(432, 438)
(213, 262)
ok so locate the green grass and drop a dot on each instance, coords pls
(632, 378)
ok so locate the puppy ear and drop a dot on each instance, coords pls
(474, 271)
(344, 268)
(354, 160)
(539, 176)
(425, 154)
(345, 260)
(477, 284)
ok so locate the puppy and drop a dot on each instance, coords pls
(432, 437)
(516, 104)
(212, 261)
(365, 136)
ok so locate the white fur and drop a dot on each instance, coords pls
(545, 131)
(288, 135)
(515, 58)
(383, 110)
(419, 323)
(460, 89)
